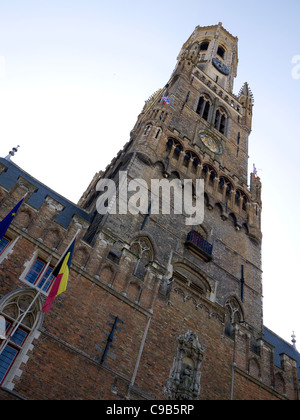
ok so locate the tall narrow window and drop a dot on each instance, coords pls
(147, 129)
(158, 133)
(222, 124)
(186, 159)
(224, 183)
(241, 200)
(4, 242)
(203, 107)
(200, 105)
(12, 349)
(169, 145)
(143, 249)
(209, 174)
(206, 111)
(190, 156)
(233, 315)
(196, 163)
(217, 119)
(220, 121)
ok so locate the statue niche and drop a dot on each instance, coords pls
(184, 381)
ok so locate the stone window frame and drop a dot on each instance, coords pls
(28, 266)
(31, 324)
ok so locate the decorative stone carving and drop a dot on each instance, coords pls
(184, 381)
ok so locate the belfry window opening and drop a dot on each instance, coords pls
(220, 121)
(221, 52)
(203, 107)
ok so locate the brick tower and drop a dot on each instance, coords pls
(155, 308)
(202, 133)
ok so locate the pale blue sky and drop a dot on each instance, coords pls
(74, 76)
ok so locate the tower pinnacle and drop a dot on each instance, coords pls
(12, 153)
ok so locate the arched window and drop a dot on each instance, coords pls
(233, 315)
(203, 107)
(147, 129)
(220, 120)
(20, 306)
(191, 278)
(241, 200)
(191, 156)
(142, 248)
(196, 163)
(177, 151)
(225, 183)
(169, 145)
(177, 147)
(209, 174)
(187, 159)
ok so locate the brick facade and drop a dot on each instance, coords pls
(149, 313)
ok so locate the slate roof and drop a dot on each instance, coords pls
(9, 178)
(280, 347)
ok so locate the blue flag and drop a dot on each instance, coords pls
(6, 222)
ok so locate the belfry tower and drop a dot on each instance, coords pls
(195, 127)
(201, 133)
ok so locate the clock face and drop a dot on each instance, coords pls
(212, 144)
(220, 66)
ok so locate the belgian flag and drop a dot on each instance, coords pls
(61, 272)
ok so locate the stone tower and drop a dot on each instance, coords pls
(201, 133)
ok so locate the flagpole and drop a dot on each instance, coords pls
(62, 255)
(60, 262)
(5, 342)
(61, 258)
